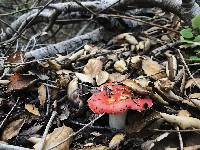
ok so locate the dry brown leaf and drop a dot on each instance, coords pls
(53, 64)
(135, 62)
(124, 37)
(93, 67)
(117, 77)
(16, 57)
(102, 77)
(58, 135)
(63, 71)
(120, 65)
(135, 86)
(42, 94)
(84, 77)
(116, 140)
(191, 82)
(182, 121)
(184, 113)
(171, 66)
(73, 93)
(195, 99)
(152, 68)
(12, 129)
(32, 109)
(165, 84)
(20, 82)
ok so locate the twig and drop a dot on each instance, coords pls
(174, 131)
(48, 100)
(47, 130)
(139, 20)
(75, 133)
(161, 49)
(89, 10)
(187, 68)
(4, 120)
(12, 147)
(180, 138)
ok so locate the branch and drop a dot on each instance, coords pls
(67, 46)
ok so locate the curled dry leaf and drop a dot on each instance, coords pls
(42, 94)
(171, 66)
(164, 84)
(16, 57)
(53, 64)
(72, 89)
(58, 135)
(135, 62)
(84, 77)
(32, 109)
(20, 82)
(135, 86)
(184, 113)
(195, 99)
(73, 92)
(124, 37)
(152, 68)
(116, 140)
(182, 121)
(93, 67)
(102, 77)
(117, 77)
(120, 66)
(190, 83)
(12, 129)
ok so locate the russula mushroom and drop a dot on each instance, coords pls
(115, 100)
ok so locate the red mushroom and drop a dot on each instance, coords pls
(116, 100)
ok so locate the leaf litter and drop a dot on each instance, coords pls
(65, 83)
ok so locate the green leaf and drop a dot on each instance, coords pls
(197, 38)
(187, 33)
(194, 58)
(196, 22)
(197, 50)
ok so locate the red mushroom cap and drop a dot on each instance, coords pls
(115, 99)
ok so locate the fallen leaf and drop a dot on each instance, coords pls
(93, 67)
(152, 68)
(184, 113)
(117, 77)
(102, 77)
(135, 62)
(135, 86)
(32, 109)
(58, 135)
(182, 121)
(12, 129)
(116, 140)
(42, 94)
(84, 77)
(120, 65)
(53, 64)
(191, 82)
(20, 82)
(16, 57)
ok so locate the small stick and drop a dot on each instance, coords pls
(75, 133)
(187, 68)
(180, 138)
(47, 130)
(12, 147)
(4, 120)
(48, 100)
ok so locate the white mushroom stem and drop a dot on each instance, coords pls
(117, 120)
